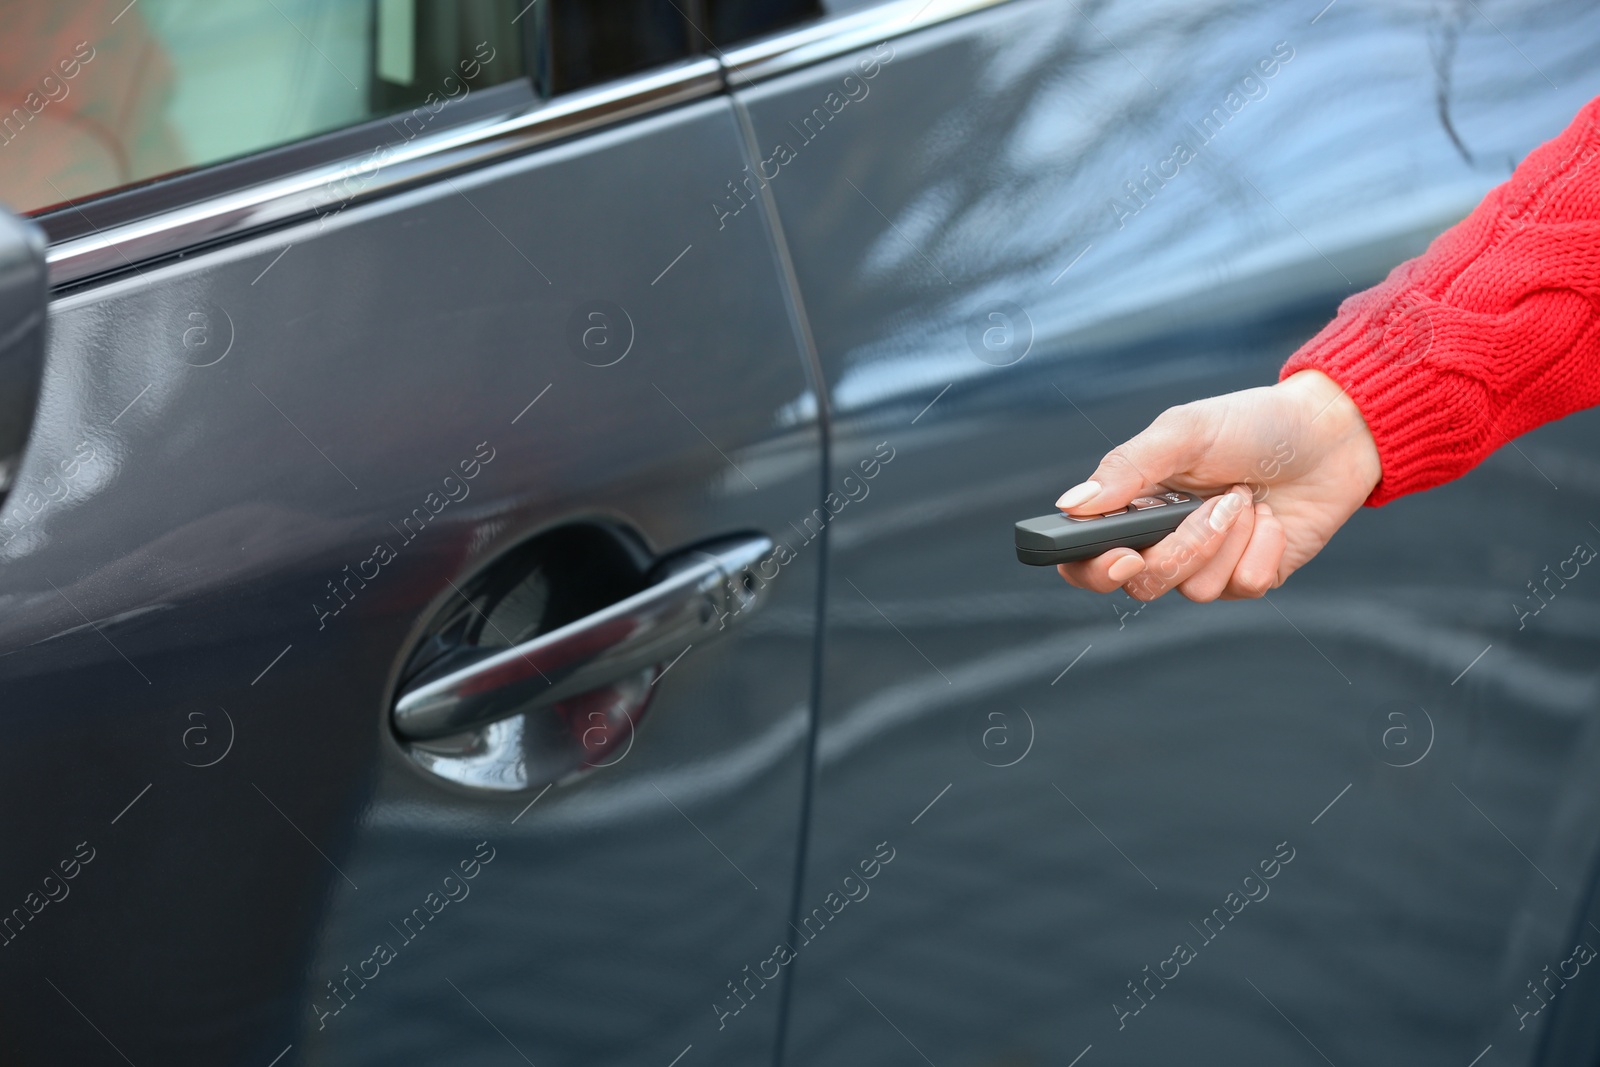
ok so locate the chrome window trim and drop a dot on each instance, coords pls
(427, 158)
(805, 45)
(437, 156)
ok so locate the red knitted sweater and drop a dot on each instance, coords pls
(1492, 331)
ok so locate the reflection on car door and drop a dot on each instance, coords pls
(289, 454)
(1126, 833)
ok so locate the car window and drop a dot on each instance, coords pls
(96, 95)
(729, 22)
(593, 41)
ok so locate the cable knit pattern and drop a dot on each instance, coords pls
(1492, 331)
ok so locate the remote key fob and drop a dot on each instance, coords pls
(1062, 538)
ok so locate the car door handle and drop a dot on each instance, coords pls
(692, 596)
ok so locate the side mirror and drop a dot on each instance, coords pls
(24, 299)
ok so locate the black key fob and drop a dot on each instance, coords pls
(1061, 538)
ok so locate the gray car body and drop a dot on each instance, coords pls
(1056, 823)
(386, 346)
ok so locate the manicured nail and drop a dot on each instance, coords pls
(1081, 493)
(1125, 568)
(1262, 510)
(1225, 512)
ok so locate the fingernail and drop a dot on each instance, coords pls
(1263, 509)
(1081, 493)
(1225, 512)
(1125, 568)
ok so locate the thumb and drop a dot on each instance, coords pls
(1166, 447)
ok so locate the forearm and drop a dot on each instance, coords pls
(1491, 332)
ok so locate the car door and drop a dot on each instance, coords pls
(383, 480)
(1352, 822)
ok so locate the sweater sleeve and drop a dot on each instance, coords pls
(1492, 331)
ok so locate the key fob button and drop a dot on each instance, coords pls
(1176, 498)
(1144, 503)
(1092, 518)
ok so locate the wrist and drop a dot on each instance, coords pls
(1336, 427)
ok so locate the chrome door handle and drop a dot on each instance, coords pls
(693, 596)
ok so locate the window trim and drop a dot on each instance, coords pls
(329, 187)
(166, 192)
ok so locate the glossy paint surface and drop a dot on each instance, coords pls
(1076, 787)
(1026, 798)
(22, 323)
(197, 694)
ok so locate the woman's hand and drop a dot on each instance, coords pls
(1299, 459)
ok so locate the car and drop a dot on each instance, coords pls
(507, 546)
